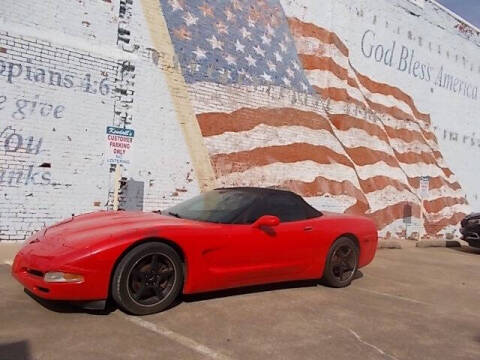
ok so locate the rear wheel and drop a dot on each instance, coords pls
(148, 279)
(342, 263)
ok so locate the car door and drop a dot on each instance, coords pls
(269, 254)
(291, 242)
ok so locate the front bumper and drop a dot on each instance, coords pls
(29, 269)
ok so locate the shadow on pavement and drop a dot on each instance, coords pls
(71, 307)
(255, 289)
(248, 290)
(19, 350)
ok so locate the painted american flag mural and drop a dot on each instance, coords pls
(279, 104)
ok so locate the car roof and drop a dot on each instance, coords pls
(259, 190)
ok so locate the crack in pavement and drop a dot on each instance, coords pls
(376, 348)
(392, 296)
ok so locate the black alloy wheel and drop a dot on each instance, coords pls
(148, 279)
(342, 263)
(151, 279)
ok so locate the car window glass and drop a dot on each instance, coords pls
(286, 207)
(218, 206)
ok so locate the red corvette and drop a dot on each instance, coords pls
(221, 239)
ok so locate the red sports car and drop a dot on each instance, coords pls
(221, 239)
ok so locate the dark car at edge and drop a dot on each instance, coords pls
(471, 229)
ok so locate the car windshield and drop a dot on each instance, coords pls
(217, 206)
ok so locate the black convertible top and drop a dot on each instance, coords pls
(260, 190)
(265, 191)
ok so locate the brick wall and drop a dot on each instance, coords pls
(69, 69)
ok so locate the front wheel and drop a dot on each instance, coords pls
(148, 279)
(342, 263)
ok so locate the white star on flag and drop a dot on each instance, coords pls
(266, 77)
(215, 43)
(245, 33)
(259, 50)
(271, 66)
(244, 74)
(236, 5)
(225, 74)
(290, 72)
(239, 46)
(206, 10)
(230, 15)
(230, 60)
(190, 19)
(270, 30)
(251, 61)
(200, 53)
(222, 28)
(175, 5)
(266, 40)
(278, 57)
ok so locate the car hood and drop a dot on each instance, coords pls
(84, 230)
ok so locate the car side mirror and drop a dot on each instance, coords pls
(266, 220)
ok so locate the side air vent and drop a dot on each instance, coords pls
(35, 272)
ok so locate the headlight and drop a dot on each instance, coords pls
(62, 277)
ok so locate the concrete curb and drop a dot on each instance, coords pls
(438, 243)
(8, 252)
(389, 244)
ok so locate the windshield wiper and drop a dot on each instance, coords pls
(174, 214)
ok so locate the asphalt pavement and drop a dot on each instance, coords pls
(408, 304)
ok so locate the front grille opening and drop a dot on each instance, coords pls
(35, 272)
(42, 289)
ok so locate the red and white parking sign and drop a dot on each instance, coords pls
(119, 144)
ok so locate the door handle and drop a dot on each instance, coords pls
(308, 228)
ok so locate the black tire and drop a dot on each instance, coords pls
(342, 263)
(142, 285)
